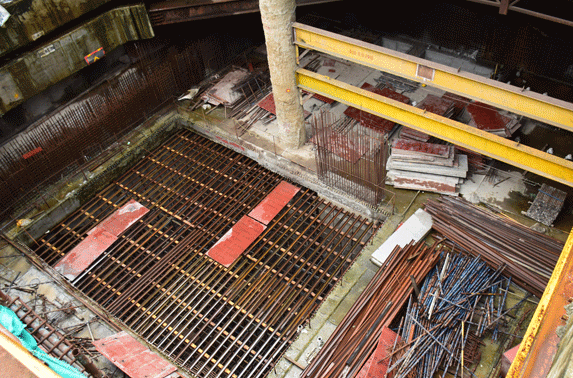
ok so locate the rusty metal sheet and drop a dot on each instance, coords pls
(274, 202)
(132, 357)
(236, 241)
(99, 239)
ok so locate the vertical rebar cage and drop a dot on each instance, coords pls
(350, 157)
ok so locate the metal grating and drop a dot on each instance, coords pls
(157, 277)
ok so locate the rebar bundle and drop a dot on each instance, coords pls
(529, 256)
(353, 341)
(461, 297)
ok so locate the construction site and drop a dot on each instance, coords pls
(286, 189)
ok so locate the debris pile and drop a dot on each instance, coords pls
(460, 300)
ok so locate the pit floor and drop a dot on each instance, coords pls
(509, 190)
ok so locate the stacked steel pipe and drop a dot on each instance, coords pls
(357, 335)
(530, 256)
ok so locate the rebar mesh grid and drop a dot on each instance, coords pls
(158, 280)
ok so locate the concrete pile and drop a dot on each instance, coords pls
(425, 166)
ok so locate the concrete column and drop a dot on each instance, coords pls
(277, 17)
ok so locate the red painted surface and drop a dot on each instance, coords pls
(350, 149)
(486, 117)
(236, 241)
(99, 239)
(371, 121)
(133, 358)
(460, 102)
(268, 103)
(274, 202)
(437, 105)
(409, 133)
(123, 218)
(422, 147)
(364, 371)
(83, 254)
(508, 358)
(35, 151)
(381, 354)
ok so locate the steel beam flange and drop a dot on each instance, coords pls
(504, 96)
(480, 141)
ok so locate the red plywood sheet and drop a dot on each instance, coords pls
(268, 103)
(123, 218)
(408, 133)
(274, 202)
(487, 117)
(236, 241)
(421, 147)
(436, 105)
(460, 102)
(99, 239)
(85, 253)
(381, 354)
(132, 357)
(371, 121)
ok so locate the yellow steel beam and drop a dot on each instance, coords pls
(530, 104)
(539, 344)
(499, 148)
